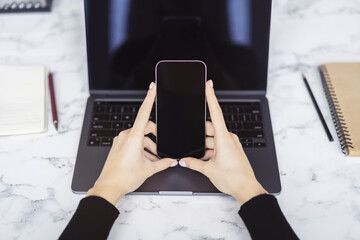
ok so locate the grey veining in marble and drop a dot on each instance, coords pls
(321, 187)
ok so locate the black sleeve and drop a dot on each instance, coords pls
(93, 219)
(264, 219)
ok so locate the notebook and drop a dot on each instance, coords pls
(341, 82)
(22, 99)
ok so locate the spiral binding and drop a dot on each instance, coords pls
(335, 110)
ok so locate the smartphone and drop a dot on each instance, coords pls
(180, 108)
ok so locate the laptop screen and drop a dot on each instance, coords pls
(126, 38)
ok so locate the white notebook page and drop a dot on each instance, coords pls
(22, 99)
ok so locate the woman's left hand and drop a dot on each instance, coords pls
(128, 165)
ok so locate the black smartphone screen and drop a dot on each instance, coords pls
(180, 108)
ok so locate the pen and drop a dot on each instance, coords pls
(53, 103)
(317, 109)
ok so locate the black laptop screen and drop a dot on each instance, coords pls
(126, 38)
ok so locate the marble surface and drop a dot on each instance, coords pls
(321, 187)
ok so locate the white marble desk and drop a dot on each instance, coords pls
(321, 187)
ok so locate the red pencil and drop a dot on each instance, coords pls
(53, 103)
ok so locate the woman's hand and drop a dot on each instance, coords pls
(227, 167)
(128, 165)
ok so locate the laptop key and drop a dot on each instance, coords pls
(227, 109)
(134, 109)
(259, 144)
(106, 141)
(102, 133)
(256, 118)
(101, 125)
(110, 109)
(251, 134)
(115, 117)
(94, 141)
(118, 125)
(253, 126)
(238, 110)
(259, 134)
(252, 109)
(100, 117)
(128, 125)
(247, 145)
(236, 125)
(122, 109)
(245, 140)
(126, 117)
(244, 118)
(99, 108)
(232, 117)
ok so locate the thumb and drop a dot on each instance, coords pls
(193, 163)
(163, 164)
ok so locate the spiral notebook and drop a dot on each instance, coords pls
(341, 82)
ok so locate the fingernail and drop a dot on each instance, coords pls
(211, 83)
(151, 85)
(182, 163)
(174, 163)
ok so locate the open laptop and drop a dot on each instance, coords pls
(125, 40)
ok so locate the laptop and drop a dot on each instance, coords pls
(126, 38)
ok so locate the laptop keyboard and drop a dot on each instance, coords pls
(110, 118)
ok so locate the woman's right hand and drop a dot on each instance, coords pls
(227, 167)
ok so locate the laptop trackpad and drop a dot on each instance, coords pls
(179, 181)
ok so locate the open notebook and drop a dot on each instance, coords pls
(22, 99)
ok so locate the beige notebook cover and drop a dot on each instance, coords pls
(342, 86)
(22, 99)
